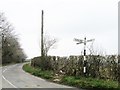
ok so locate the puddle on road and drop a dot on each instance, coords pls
(38, 85)
(32, 86)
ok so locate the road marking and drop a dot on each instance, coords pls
(4, 70)
(7, 80)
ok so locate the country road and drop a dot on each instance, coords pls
(14, 77)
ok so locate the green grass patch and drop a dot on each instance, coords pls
(80, 82)
(83, 82)
(38, 72)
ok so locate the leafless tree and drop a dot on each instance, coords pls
(49, 43)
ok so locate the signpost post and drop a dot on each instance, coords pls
(79, 41)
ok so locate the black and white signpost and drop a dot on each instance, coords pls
(79, 41)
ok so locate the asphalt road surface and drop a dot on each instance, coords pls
(14, 77)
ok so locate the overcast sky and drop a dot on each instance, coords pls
(64, 20)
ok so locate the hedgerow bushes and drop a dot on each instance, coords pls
(102, 67)
(76, 81)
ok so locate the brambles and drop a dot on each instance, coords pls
(77, 81)
(103, 67)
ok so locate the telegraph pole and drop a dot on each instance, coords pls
(42, 45)
(79, 41)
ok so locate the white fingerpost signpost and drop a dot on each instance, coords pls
(79, 41)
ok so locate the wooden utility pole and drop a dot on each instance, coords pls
(42, 44)
(118, 44)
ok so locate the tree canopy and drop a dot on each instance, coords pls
(10, 47)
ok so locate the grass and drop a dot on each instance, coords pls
(80, 82)
(38, 72)
(83, 82)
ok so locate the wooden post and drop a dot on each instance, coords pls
(42, 44)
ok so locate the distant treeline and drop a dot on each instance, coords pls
(10, 49)
(102, 67)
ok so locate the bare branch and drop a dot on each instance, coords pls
(48, 43)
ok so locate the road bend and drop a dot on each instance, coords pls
(14, 77)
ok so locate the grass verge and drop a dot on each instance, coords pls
(80, 82)
(83, 82)
(38, 72)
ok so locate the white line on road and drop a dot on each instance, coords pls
(7, 80)
(4, 70)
